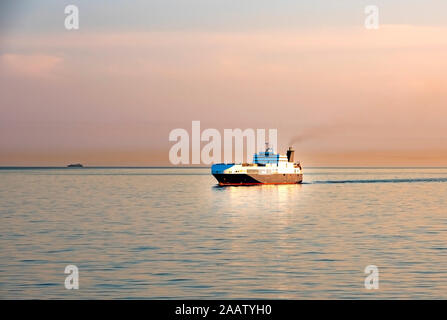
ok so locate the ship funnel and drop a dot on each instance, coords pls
(290, 154)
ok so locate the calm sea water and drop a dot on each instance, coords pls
(172, 233)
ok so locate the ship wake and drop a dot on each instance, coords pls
(415, 180)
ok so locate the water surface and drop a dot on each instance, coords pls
(172, 233)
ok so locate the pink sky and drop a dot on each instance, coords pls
(374, 97)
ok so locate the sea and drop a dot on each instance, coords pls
(173, 233)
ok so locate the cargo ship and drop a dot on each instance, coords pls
(268, 167)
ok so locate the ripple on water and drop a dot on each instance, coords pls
(171, 233)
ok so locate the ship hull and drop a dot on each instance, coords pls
(239, 179)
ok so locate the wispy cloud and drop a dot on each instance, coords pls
(389, 83)
(35, 65)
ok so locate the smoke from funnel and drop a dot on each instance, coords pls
(314, 133)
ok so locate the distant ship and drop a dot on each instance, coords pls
(267, 168)
(75, 165)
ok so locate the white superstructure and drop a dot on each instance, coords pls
(264, 162)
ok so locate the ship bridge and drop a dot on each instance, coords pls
(269, 157)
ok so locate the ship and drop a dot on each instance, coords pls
(268, 167)
(75, 165)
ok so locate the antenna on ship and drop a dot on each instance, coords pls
(267, 147)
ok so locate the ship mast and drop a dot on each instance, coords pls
(267, 148)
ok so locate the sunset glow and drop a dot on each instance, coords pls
(110, 96)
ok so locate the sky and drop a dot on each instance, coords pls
(110, 92)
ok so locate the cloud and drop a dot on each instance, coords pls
(388, 36)
(29, 65)
(389, 85)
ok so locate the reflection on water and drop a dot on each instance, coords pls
(172, 233)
